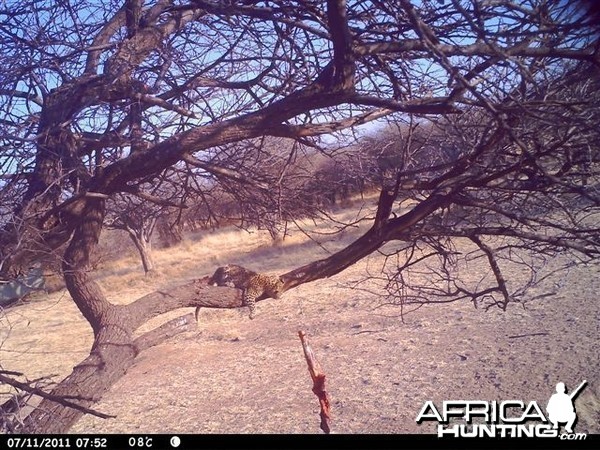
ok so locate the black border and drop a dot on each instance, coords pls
(312, 442)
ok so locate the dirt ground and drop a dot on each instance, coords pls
(236, 375)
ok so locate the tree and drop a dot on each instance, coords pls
(530, 194)
(259, 182)
(138, 221)
(138, 211)
(97, 99)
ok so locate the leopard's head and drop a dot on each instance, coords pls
(276, 287)
(221, 277)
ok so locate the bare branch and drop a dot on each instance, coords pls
(54, 398)
(223, 171)
(22, 94)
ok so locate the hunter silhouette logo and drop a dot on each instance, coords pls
(561, 408)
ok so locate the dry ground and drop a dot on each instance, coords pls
(234, 375)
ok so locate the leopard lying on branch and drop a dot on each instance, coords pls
(253, 284)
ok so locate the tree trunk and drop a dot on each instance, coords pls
(144, 247)
(112, 355)
(114, 349)
(112, 352)
(140, 233)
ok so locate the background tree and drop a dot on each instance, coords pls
(98, 98)
(138, 211)
(259, 182)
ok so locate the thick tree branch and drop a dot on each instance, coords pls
(165, 331)
(435, 105)
(196, 293)
(156, 101)
(102, 38)
(316, 129)
(135, 49)
(343, 58)
(382, 231)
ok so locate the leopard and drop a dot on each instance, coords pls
(253, 284)
(231, 275)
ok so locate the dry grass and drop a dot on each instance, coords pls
(235, 375)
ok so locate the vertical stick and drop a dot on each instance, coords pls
(318, 377)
